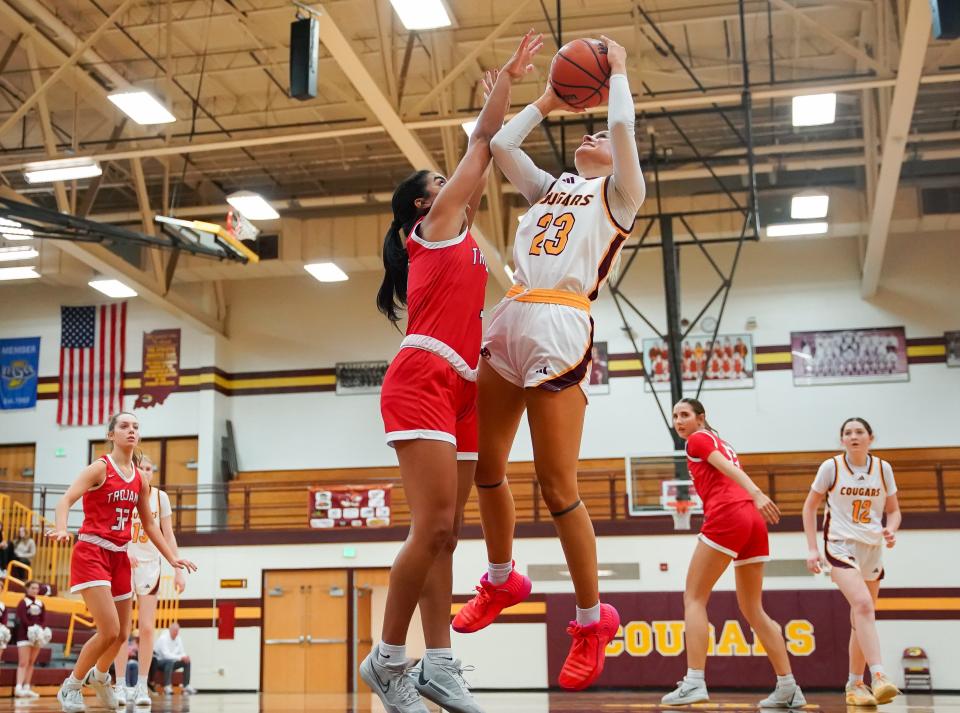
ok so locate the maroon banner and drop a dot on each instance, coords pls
(161, 367)
(649, 649)
(349, 506)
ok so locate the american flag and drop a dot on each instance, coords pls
(92, 347)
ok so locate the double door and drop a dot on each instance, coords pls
(318, 625)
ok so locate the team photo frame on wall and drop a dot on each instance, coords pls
(951, 341)
(728, 365)
(849, 356)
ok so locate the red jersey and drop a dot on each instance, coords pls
(446, 287)
(714, 488)
(108, 508)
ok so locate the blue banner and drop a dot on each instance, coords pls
(19, 363)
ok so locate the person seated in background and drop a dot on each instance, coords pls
(6, 552)
(169, 654)
(24, 547)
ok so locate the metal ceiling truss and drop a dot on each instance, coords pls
(674, 335)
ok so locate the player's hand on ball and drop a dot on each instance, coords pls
(550, 101)
(889, 536)
(183, 564)
(616, 55)
(57, 535)
(814, 562)
(521, 63)
(767, 508)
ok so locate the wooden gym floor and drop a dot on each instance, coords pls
(593, 702)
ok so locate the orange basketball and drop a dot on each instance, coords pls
(580, 73)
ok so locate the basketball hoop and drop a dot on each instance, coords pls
(680, 512)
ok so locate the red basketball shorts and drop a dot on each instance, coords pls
(423, 397)
(737, 530)
(95, 566)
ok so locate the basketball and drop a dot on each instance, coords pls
(580, 73)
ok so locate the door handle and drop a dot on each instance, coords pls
(311, 640)
(298, 640)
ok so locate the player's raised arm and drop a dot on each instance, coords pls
(627, 178)
(446, 216)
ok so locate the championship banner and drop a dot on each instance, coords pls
(19, 363)
(161, 367)
(349, 506)
(648, 651)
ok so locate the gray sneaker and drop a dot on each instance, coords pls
(444, 684)
(103, 689)
(784, 697)
(392, 684)
(687, 692)
(71, 699)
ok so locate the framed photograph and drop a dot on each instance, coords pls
(849, 356)
(728, 364)
(599, 382)
(360, 377)
(952, 341)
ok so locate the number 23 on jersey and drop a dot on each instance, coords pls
(555, 243)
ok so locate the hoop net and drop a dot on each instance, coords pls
(680, 510)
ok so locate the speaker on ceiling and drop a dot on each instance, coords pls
(946, 19)
(304, 42)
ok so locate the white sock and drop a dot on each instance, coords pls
(695, 674)
(877, 668)
(788, 680)
(72, 682)
(853, 679)
(141, 680)
(439, 655)
(585, 617)
(388, 653)
(101, 676)
(498, 573)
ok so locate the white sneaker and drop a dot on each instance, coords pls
(444, 684)
(103, 689)
(19, 692)
(71, 699)
(120, 693)
(687, 692)
(784, 697)
(189, 690)
(168, 690)
(392, 684)
(141, 696)
(31, 693)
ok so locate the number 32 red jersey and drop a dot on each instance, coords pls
(716, 489)
(108, 508)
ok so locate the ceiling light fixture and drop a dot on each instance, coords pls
(112, 288)
(790, 230)
(18, 273)
(18, 252)
(61, 170)
(252, 205)
(326, 272)
(422, 14)
(809, 206)
(141, 106)
(814, 109)
(12, 230)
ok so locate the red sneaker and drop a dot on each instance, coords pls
(491, 599)
(588, 649)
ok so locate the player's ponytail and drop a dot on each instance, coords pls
(699, 410)
(392, 296)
